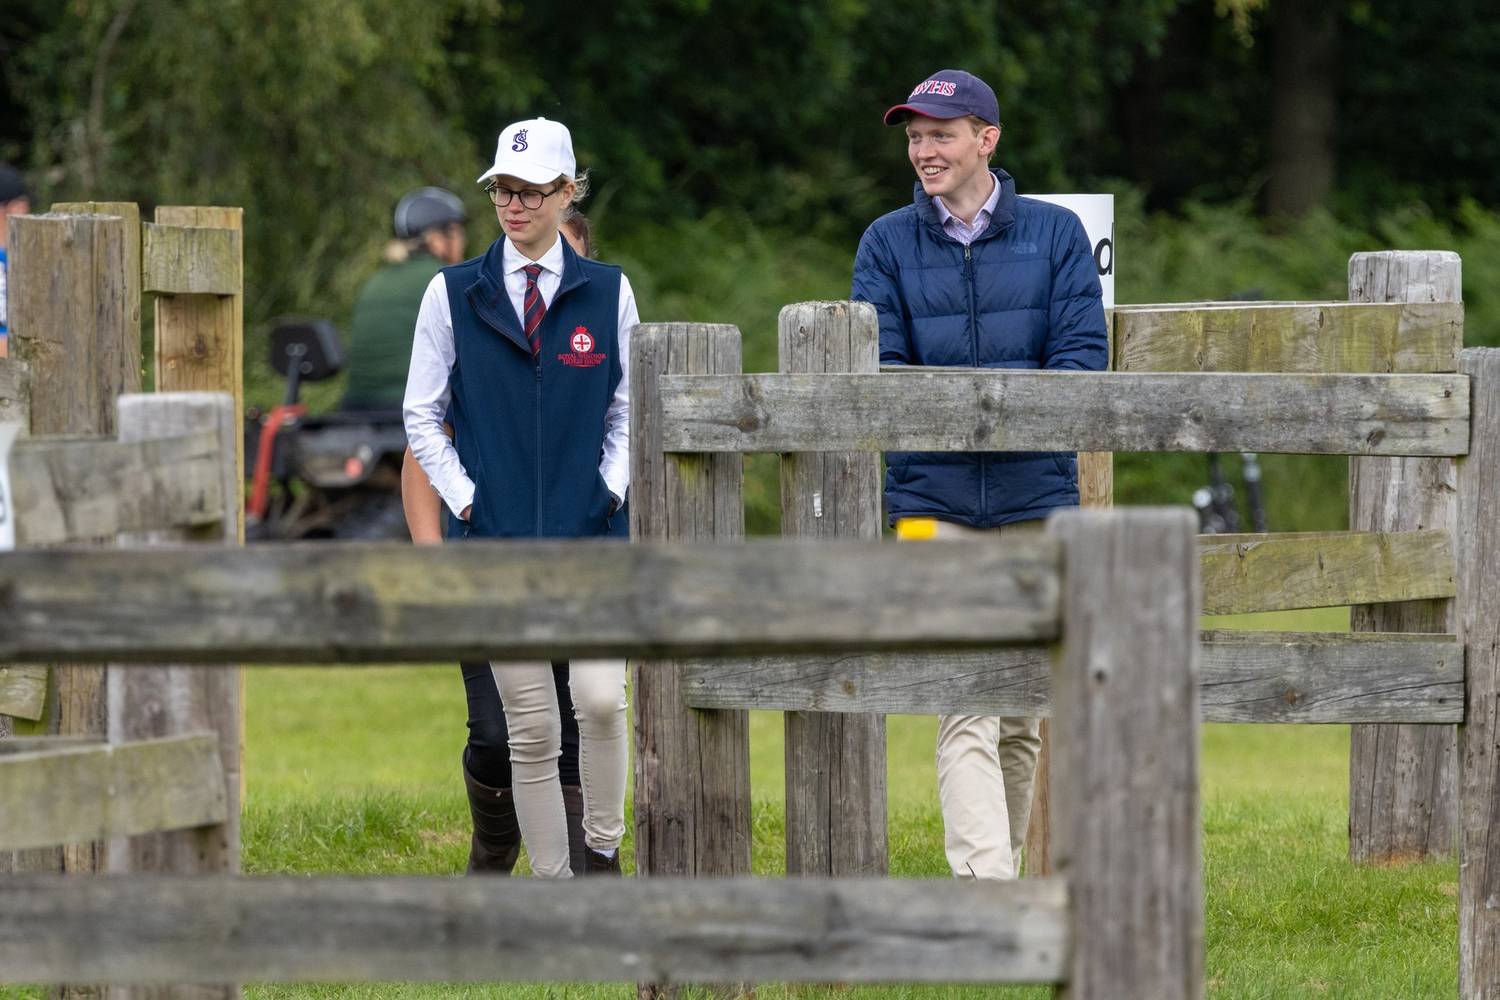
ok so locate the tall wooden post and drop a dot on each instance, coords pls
(1478, 552)
(692, 768)
(22, 687)
(1402, 778)
(1096, 491)
(835, 762)
(200, 347)
(75, 321)
(1125, 774)
(200, 339)
(147, 702)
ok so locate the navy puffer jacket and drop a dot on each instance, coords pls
(1024, 295)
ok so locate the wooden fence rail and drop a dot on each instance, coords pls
(381, 602)
(113, 790)
(1002, 410)
(665, 930)
(1332, 337)
(1300, 677)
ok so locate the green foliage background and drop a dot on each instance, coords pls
(737, 151)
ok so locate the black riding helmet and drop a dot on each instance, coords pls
(427, 208)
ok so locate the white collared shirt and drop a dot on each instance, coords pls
(965, 232)
(428, 389)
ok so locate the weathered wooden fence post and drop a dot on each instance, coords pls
(1125, 768)
(159, 701)
(1478, 553)
(835, 761)
(200, 333)
(75, 319)
(692, 768)
(1402, 778)
(23, 687)
(1096, 490)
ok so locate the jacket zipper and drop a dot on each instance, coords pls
(984, 504)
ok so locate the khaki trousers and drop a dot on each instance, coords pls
(986, 766)
(531, 715)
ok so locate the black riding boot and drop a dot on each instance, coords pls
(573, 806)
(497, 836)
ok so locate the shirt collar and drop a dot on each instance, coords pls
(512, 260)
(987, 209)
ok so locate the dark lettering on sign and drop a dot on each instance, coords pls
(1104, 253)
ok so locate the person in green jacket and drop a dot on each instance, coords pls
(429, 225)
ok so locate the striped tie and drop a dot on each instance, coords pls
(535, 309)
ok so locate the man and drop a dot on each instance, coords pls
(14, 200)
(971, 275)
(526, 350)
(429, 226)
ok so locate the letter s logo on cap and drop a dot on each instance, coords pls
(518, 141)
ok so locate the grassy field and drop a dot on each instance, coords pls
(357, 771)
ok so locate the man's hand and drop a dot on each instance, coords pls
(465, 515)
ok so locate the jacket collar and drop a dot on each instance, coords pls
(1000, 220)
(487, 296)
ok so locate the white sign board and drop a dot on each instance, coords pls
(1097, 212)
(8, 434)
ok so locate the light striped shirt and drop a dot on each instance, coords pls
(963, 231)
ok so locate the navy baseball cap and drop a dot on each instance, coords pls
(949, 93)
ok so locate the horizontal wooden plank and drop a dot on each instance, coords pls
(23, 690)
(15, 392)
(1248, 573)
(1246, 677)
(81, 793)
(319, 603)
(1296, 337)
(190, 260)
(68, 490)
(37, 744)
(1000, 410)
(663, 930)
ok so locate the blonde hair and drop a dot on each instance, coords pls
(580, 185)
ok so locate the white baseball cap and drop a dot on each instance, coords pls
(535, 150)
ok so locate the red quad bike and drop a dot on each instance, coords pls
(337, 475)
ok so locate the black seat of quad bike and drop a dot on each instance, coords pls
(312, 345)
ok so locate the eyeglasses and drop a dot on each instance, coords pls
(530, 197)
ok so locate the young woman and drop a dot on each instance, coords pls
(495, 841)
(526, 349)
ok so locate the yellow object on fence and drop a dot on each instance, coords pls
(916, 529)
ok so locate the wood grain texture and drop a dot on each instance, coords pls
(926, 409)
(1125, 763)
(15, 393)
(164, 701)
(77, 490)
(1328, 337)
(445, 929)
(692, 769)
(1478, 545)
(82, 793)
(195, 260)
(200, 339)
(1292, 677)
(835, 763)
(1402, 779)
(23, 691)
(375, 602)
(1278, 572)
(75, 306)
